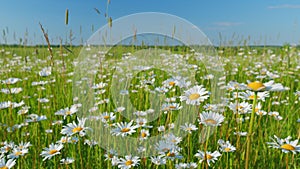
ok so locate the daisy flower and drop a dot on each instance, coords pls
(226, 146)
(285, 145)
(170, 107)
(195, 95)
(100, 85)
(67, 111)
(176, 81)
(158, 160)
(45, 72)
(241, 108)
(73, 128)
(110, 154)
(23, 110)
(188, 127)
(235, 86)
(12, 91)
(67, 160)
(144, 134)
(128, 162)
(17, 152)
(35, 118)
(10, 81)
(186, 165)
(7, 165)
(249, 95)
(210, 157)
(53, 150)
(124, 129)
(105, 117)
(211, 118)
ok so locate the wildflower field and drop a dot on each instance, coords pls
(45, 124)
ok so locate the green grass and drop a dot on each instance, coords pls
(239, 65)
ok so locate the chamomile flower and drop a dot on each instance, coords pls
(100, 85)
(240, 133)
(210, 157)
(210, 107)
(105, 117)
(176, 81)
(188, 127)
(241, 108)
(67, 160)
(124, 129)
(17, 152)
(67, 111)
(10, 81)
(195, 95)
(211, 118)
(23, 110)
(285, 145)
(73, 128)
(110, 154)
(158, 160)
(7, 164)
(170, 107)
(45, 72)
(51, 151)
(186, 165)
(144, 134)
(249, 95)
(128, 162)
(12, 90)
(172, 154)
(226, 146)
(235, 86)
(35, 118)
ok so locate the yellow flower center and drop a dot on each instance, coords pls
(53, 152)
(18, 153)
(189, 129)
(68, 113)
(227, 149)
(5, 167)
(256, 85)
(288, 147)
(106, 117)
(208, 157)
(256, 109)
(194, 96)
(171, 83)
(77, 129)
(252, 97)
(129, 162)
(125, 130)
(172, 107)
(144, 135)
(211, 121)
(239, 107)
(170, 154)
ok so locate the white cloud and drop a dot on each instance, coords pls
(286, 6)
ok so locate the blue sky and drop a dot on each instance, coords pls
(266, 22)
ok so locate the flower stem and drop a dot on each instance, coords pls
(250, 131)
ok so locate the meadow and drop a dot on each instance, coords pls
(257, 124)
